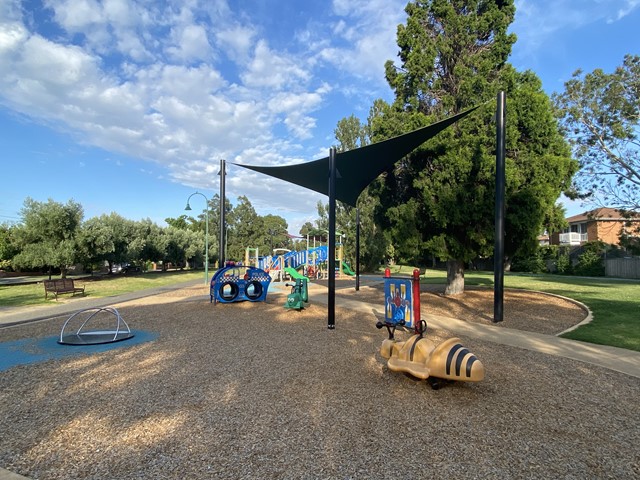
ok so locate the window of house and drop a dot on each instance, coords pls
(578, 228)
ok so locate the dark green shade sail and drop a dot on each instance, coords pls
(357, 168)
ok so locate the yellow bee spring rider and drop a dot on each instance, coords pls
(419, 356)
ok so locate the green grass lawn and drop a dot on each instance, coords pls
(615, 303)
(95, 287)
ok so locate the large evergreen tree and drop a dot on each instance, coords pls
(440, 199)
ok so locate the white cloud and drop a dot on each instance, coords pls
(76, 15)
(272, 70)
(191, 43)
(236, 42)
(368, 33)
(11, 36)
(120, 13)
(293, 104)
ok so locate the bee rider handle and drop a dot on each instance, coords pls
(391, 327)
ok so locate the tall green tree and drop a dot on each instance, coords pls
(8, 246)
(48, 235)
(275, 234)
(246, 229)
(601, 116)
(181, 246)
(106, 239)
(183, 222)
(148, 243)
(306, 229)
(440, 199)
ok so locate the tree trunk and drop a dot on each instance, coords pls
(455, 277)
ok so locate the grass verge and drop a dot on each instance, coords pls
(614, 303)
(95, 287)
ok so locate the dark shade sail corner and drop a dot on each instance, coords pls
(357, 168)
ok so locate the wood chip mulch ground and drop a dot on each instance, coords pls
(523, 310)
(256, 391)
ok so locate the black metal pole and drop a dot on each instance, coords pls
(331, 322)
(498, 252)
(357, 249)
(223, 227)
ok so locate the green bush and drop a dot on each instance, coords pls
(534, 263)
(563, 264)
(590, 264)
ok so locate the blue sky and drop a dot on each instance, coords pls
(128, 105)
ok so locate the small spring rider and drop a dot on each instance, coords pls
(419, 356)
(299, 294)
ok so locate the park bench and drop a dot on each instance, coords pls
(62, 285)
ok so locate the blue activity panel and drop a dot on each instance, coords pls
(236, 283)
(398, 301)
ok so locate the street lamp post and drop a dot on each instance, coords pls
(206, 234)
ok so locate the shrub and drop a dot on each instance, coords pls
(533, 263)
(563, 264)
(590, 264)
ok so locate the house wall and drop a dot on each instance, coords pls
(608, 232)
(592, 231)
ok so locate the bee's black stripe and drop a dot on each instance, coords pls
(452, 352)
(413, 347)
(471, 361)
(461, 356)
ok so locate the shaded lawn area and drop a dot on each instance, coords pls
(95, 287)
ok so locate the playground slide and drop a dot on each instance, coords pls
(347, 270)
(294, 273)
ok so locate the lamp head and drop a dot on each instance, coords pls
(188, 207)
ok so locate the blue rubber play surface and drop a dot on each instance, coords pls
(34, 350)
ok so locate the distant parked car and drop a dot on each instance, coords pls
(124, 268)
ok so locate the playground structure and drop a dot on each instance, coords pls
(419, 356)
(309, 264)
(236, 283)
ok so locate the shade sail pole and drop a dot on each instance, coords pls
(331, 323)
(357, 249)
(498, 252)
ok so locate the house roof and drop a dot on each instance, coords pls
(599, 214)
